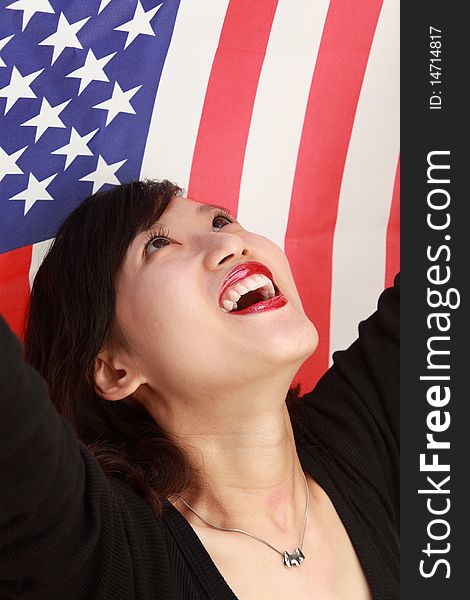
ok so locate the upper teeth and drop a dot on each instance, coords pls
(233, 293)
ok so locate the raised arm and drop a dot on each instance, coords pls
(65, 529)
(353, 411)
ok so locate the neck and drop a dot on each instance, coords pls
(247, 462)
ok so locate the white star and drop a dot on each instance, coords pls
(31, 8)
(103, 174)
(103, 5)
(19, 87)
(118, 103)
(3, 43)
(35, 191)
(64, 37)
(139, 24)
(8, 164)
(48, 116)
(77, 146)
(92, 70)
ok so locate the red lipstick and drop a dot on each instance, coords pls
(263, 306)
(251, 268)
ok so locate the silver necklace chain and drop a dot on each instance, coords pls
(289, 560)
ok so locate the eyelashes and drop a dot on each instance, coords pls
(156, 232)
(226, 214)
(159, 231)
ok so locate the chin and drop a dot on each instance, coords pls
(296, 345)
(309, 342)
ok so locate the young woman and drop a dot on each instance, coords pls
(178, 463)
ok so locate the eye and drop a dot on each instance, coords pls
(223, 215)
(155, 235)
(156, 244)
(159, 233)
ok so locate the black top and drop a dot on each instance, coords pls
(69, 532)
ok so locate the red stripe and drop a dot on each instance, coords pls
(223, 130)
(14, 289)
(392, 265)
(342, 59)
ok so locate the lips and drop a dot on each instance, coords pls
(244, 270)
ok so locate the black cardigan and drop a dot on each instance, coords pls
(69, 532)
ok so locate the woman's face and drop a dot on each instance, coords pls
(167, 308)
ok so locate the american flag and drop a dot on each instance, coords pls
(286, 112)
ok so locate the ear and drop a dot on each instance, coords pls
(115, 375)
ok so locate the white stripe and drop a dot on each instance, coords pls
(38, 253)
(182, 89)
(278, 116)
(359, 250)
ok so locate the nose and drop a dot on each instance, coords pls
(222, 248)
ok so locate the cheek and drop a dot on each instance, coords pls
(155, 305)
(163, 319)
(277, 258)
(174, 341)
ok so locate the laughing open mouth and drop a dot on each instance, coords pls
(249, 287)
(251, 298)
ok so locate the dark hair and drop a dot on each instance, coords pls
(70, 318)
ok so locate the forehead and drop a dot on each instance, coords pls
(187, 206)
(184, 207)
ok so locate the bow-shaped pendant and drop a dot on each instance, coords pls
(293, 559)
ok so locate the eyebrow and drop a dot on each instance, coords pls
(201, 209)
(205, 208)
